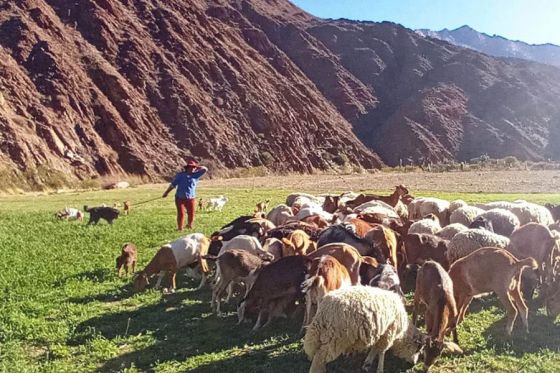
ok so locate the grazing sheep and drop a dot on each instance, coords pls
(465, 215)
(504, 222)
(526, 212)
(374, 321)
(423, 206)
(425, 226)
(434, 290)
(280, 215)
(127, 259)
(325, 275)
(449, 231)
(482, 223)
(457, 204)
(377, 207)
(490, 269)
(303, 197)
(471, 240)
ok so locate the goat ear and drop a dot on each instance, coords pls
(285, 241)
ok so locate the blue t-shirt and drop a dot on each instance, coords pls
(186, 184)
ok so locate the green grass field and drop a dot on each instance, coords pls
(63, 309)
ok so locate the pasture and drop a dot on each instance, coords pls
(63, 309)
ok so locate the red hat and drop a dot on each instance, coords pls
(192, 163)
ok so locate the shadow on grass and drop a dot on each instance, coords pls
(543, 334)
(97, 275)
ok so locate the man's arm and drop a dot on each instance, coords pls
(200, 170)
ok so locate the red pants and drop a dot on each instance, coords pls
(190, 205)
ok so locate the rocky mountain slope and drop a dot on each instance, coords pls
(496, 45)
(135, 86)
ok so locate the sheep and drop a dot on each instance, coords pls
(127, 259)
(386, 277)
(277, 286)
(374, 320)
(280, 214)
(234, 266)
(465, 215)
(291, 199)
(244, 242)
(482, 223)
(449, 231)
(308, 211)
(464, 243)
(347, 255)
(554, 210)
(174, 256)
(426, 226)
(503, 221)
(527, 212)
(325, 275)
(420, 207)
(376, 207)
(457, 204)
(490, 269)
(434, 290)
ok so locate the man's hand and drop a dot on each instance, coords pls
(165, 194)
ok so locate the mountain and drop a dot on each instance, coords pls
(498, 46)
(98, 87)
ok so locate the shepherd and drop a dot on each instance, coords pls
(185, 195)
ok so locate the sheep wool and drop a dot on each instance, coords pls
(357, 319)
(503, 221)
(454, 205)
(471, 240)
(451, 230)
(465, 215)
(426, 226)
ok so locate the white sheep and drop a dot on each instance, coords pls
(449, 231)
(427, 226)
(243, 242)
(458, 203)
(504, 222)
(299, 198)
(526, 212)
(360, 319)
(423, 206)
(377, 207)
(280, 214)
(464, 243)
(465, 215)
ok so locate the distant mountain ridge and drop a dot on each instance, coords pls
(496, 45)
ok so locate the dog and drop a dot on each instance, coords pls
(97, 213)
(217, 203)
(201, 203)
(127, 259)
(126, 207)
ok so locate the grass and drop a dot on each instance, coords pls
(63, 309)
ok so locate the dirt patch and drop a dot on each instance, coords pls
(484, 181)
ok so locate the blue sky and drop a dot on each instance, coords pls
(532, 21)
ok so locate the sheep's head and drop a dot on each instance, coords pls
(139, 282)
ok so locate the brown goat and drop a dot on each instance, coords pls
(490, 269)
(297, 243)
(234, 266)
(392, 200)
(362, 226)
(386, 240)
(316, 220)
(262, 206)
(127, 259)
(325, 275)
(434, 290)
(422, 247)
(347, 255)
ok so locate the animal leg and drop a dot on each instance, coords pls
(160, 277)
(229, 292)
(521, 307)
(202, 281)
(120, 271)
(134, 266)
(505, 299)
(259, 320)
(173, 281)
(319, 362)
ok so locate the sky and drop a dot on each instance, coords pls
(531, 21)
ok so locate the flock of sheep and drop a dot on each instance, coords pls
(348, 259)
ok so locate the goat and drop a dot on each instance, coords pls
(262, 206)
(392, 200)
(347, 255)
(490, 269)
(297, 243)
(326, 274)
(216, 203)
